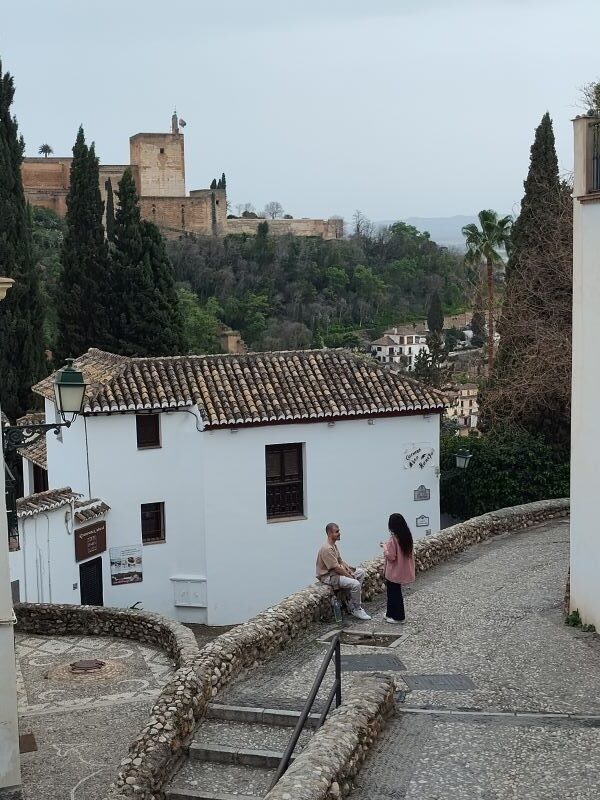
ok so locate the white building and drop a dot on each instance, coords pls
(585, 420)
(463, 406)
(222, 471)
(61, 538)
(400, 346)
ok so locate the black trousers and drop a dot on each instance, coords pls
(395, 601)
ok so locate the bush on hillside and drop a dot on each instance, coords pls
(508, 467)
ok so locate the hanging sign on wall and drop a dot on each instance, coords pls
(422, 493)
(90, 540)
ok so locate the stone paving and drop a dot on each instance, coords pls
(82, 724)
(493, 614)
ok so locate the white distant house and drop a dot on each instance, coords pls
(400, 346)
(585, 420)
(220, 473)
(463, 406)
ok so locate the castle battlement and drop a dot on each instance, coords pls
(157, 161)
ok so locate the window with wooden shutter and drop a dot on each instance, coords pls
(153, 522)
(148, 430)
(284, 481)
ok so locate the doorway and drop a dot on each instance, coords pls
(90, 583)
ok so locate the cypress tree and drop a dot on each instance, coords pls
(84, 299)
(148, 320)
(435, 314)
(536, 315)
(21, 312)
(110, 211)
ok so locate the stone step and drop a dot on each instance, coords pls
(269, 716)
(247, 735)
(206, 780)
(223, 754)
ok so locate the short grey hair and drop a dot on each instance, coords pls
(330, 526)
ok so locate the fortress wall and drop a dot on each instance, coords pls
(160, 161)
(327, 228)
(178, 215)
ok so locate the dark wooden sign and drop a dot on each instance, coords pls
(90, 540)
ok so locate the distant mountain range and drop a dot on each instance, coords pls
(445, 231)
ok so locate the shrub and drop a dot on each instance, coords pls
(508, 467)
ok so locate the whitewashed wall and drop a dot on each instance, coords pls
(219, 545)
(45, 564)
(354, 475)
(585, 420)
(125, 477)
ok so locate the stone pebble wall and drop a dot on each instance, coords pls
(326, 768)
(202, 673)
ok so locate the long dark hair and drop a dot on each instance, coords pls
(399, 529)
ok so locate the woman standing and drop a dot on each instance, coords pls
(399, 566)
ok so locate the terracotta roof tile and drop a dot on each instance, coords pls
(85, 510)
(51, 499)
(36, 452)
(251, 388)
(45, 501)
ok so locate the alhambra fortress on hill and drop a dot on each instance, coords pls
(158, 164)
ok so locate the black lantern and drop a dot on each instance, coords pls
(462, 458)
(69, 391)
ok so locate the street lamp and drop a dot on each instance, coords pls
(462, 458)
(69, 392)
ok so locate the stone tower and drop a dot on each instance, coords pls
(158, 162)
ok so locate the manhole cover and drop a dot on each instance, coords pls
(439, 683)
(86, 665)
(367, 663)
(378, 640)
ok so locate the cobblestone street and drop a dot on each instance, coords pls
(493, 615)
(82, 724)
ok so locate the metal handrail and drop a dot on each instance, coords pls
(334, 652)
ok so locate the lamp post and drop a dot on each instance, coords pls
(69, 392)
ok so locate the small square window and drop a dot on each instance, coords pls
(284, 480)
(162, 151)
(147, 430)
(153, 522)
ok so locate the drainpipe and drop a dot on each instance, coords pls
(48, 546)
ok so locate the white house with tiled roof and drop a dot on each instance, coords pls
(222, 471)
(400, 346)
(60, 533)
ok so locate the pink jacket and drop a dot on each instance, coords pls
(398, 567)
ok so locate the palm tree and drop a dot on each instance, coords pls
(45, 150)
(482, 247)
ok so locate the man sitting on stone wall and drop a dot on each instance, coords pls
(333, 571)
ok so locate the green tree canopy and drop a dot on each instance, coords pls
(84, 300)
(146, 313)
(483, 247)
(21, 312)
(435, 314)
(531, 380)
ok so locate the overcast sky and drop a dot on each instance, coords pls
(395, 107)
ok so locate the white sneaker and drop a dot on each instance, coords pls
(393, 621)
(360, 613)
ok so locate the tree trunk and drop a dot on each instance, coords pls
(490, 286)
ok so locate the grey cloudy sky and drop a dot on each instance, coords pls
(396, 107)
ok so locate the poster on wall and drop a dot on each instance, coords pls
(418, 456)
(422, 521)
(125, 565)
